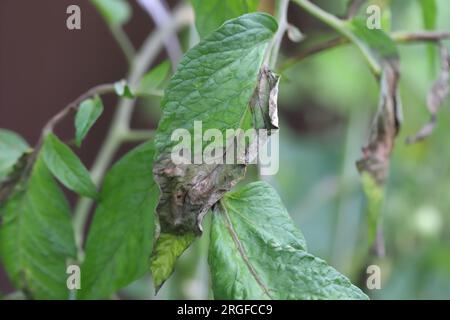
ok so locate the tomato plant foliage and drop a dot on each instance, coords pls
(139, 224)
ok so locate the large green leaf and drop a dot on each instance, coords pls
(115, 12)
(256, 252)
(67, 167)
(120, 238)
(213, 85)
(88, 113)
(429, 16)
(36, 236)
(12, 146)
(211, 14)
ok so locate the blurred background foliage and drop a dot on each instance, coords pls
(326, 105)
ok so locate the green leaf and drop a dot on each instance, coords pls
(36, 236)
(154, 78)
(12, 147)
(256, 252)
(115, 12)
(88, 113)
(167, 250)
(213, 84)
(123, 90)
(67, 167)
(119, 243)
(429, 13)
(211, 14)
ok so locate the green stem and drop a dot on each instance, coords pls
(124, 43)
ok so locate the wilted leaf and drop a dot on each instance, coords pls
(211, 14)
(36, 236)
(88, 113)
(256, 252)
(67, 167)
(120, 238)
(436, 96)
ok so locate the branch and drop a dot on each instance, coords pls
(399, 37)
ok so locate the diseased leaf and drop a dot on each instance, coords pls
(123, 90)
(256, 252)
(12, 147)
(115, 12)
(213, 85)
(67, 167)
(120, 238)
(155, 77)
(436, 97)
(167, 250)
(36, 236)
(211, 14)
(88, 113)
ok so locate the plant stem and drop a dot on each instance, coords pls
(124, 43)
(120, 126)
(281, 11)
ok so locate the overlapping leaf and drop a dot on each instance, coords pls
(256, 252)
(120, 238)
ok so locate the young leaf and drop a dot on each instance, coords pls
(211, 14)
(154, 78)
(123, 90)
(36, 236)
(115, 12)
(12, 147)
(167, 250)
(88, 113)
(120, 237)
(256, 252)
(67, 167)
